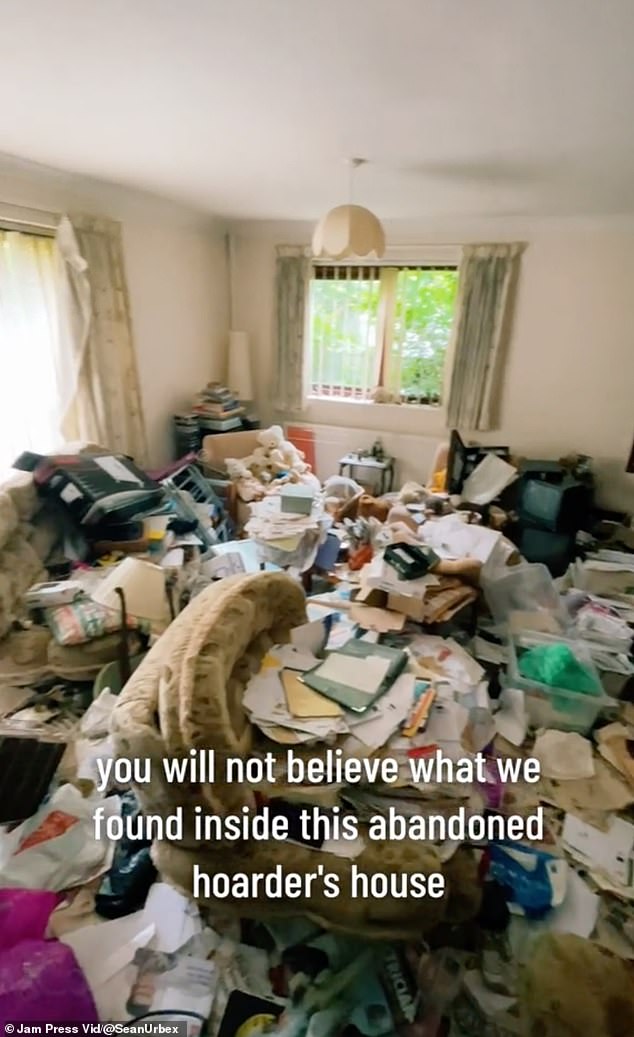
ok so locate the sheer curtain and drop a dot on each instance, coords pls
(30, 409)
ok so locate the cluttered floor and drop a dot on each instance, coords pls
(413, 629)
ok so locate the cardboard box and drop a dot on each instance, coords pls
(409, 606)
(371, 596)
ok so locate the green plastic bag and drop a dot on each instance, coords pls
(557, 666)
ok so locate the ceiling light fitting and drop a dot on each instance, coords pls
(349, 230)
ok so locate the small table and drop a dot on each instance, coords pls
(385, 467)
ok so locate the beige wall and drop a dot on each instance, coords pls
(176, 272)
(569, 383)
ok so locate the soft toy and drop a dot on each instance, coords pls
(282, 451)
(275, 461)
(270, 440)
(293, 458)
(236, 469)
(247, 485)
(257, 463)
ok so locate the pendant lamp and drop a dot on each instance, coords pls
(349, 230)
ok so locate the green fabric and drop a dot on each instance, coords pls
(557, 666)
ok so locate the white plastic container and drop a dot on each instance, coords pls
(548, 706)
(525, 589)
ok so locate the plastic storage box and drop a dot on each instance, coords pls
(549, 706)
(525, 590)
(297, 500)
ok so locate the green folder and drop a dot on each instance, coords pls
(353, 698)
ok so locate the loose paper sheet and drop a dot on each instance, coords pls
(564, 756)
(511, 719)
(488, 479)
(388, 714)
(361, 674)
(117, 470)
(609, 851)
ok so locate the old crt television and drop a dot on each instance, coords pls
(552, 500)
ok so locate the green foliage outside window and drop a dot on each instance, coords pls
(344, 333)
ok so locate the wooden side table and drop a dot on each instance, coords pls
(385, 468)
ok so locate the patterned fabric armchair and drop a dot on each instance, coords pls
(187, 695)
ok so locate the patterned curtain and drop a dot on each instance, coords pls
(291, 287)
(486, 289)
(105, 405)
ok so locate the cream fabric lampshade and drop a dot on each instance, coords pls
(144, 587)
(346, 231)
(239, 377)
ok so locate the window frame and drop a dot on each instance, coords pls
(413, 256)
(28, 221)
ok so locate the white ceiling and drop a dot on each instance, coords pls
(247, 108)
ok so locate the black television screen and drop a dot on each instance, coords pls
(559, 507)
(456, 462)
(540, 503)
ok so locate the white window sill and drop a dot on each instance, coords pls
(431, 408)
(414, 419)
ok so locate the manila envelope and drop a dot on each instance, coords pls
(303, 702)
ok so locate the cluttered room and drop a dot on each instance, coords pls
(316, 519)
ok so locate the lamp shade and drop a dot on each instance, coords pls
(348, 230)
(239, 378)
(143, 585)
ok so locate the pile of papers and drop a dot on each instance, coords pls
(284, 538)
(604, 572)
(300, 696)
(603, 625)
(269, 523)
(382, 699)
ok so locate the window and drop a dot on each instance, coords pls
(29, 418)
(380, 326)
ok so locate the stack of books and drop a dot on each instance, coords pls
(217, 408)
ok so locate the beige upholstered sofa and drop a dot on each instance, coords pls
(30, 531)
(186, 695)
(25, 541)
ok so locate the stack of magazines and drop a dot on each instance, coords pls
(218, 409)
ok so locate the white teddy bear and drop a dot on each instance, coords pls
(248, 486)
(236, 469)
(270, 440)
(258, 463)
(293, 458)
(283, 450)
(274, 461)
